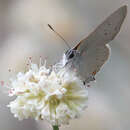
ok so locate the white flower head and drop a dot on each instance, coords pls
(43, 93)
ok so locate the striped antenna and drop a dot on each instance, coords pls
(59, 36)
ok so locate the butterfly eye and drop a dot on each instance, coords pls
(71, 55)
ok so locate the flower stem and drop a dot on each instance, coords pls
(55, 127)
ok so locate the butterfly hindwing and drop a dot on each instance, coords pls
(90, 62)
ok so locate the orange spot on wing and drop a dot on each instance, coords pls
(94, 72)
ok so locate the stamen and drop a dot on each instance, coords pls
(2, 83)
(40, 61)
(45, 61)
(9, 70)
(30, 60)
(20, 92)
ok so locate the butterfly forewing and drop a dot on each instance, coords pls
(106, 31)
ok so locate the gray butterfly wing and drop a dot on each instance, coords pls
(93, 49)
(91, 61)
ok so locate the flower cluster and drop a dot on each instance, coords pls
(42, 93)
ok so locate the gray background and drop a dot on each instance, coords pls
(24, 33)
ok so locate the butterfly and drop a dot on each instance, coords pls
(90, 54)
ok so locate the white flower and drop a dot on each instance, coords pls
(45, 94)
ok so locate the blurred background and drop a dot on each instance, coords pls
(24, 33)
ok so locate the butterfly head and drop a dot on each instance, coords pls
(69, 56)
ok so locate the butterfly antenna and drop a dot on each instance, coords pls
(59, 36)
